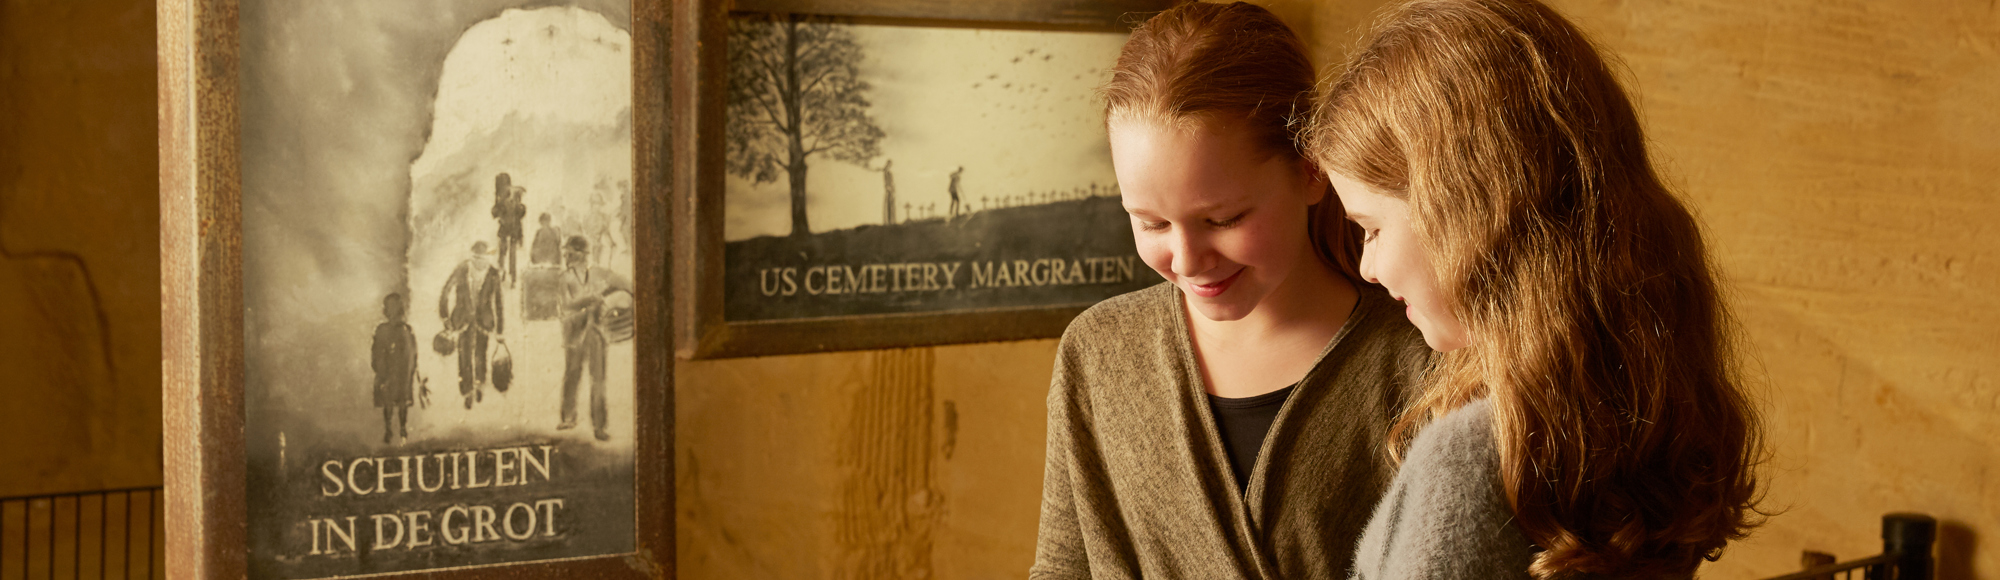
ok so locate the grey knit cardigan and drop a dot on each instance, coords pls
(1137, 483)
(1447, 518)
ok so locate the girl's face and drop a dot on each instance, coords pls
(392, 307)
(1392, 256)
(1214, 212)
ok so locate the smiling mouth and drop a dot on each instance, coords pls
(1216, 288)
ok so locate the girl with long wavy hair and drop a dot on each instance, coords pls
(1229, 422)
(1584, 419)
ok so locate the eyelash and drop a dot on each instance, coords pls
(1222, 223)
(1367, 234)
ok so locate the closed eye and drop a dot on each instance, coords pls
(1152, 226)
(1367, 233)
(1228, 222)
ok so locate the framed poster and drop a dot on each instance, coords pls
(870, 174)
(414, 260)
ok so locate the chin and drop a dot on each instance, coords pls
(1220, 312)
(1442, 344)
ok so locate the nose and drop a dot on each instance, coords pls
(1192, 252)
(1367, 266)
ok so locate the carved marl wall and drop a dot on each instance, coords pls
(1843, 154)
(79, 257)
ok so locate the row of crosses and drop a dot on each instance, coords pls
(913, 212)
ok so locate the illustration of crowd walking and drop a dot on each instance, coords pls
(592, 303)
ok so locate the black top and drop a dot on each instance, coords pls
(1243, 424)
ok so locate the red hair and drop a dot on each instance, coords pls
(1237, 64)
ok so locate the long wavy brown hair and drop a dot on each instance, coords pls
(1234, 64)
(1627, 445)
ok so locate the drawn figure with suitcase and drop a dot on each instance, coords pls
(596, 310)
(471, 307)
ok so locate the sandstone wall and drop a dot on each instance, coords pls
(1843, 154)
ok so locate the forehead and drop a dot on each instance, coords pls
(1360, 200)
(1174, 167)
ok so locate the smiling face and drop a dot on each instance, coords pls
(1393, 256)
(1214, 212)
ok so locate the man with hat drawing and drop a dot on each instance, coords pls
(586, 292)
(470, 305)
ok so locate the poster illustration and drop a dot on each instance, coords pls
(437, 265)
(879, 168)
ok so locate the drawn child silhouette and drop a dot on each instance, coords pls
(394, 358)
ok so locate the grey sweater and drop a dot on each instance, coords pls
(1137, 483)
(1445, 516)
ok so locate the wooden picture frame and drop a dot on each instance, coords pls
(220, 251)
(721, 314)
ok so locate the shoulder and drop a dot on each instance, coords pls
(610, 277)
(1457, 450)
(1451, 477)
(1123, 337)
(1380, 326)
(389, 331)
(1446, 515)
(1379, 346)
(1116, 318)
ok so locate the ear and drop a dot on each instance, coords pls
(1312, 183)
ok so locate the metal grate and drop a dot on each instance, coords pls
(115, 533)
(1906, 554)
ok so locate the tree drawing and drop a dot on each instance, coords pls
(794, 93)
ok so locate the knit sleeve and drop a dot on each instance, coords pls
(1445, 516)
(1059, 544)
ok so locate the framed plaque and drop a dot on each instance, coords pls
(870, 174)
(414, 264)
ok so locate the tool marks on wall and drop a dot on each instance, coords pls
(889, 505)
